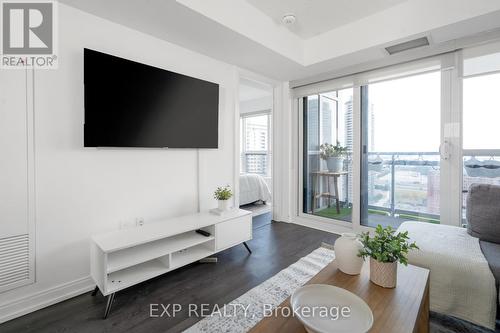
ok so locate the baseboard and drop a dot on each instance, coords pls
(328, 227)
(27, 304)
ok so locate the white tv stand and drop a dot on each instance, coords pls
(123, 258)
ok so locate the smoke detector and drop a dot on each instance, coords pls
(288, 19)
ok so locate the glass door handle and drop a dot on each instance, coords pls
(445, 150)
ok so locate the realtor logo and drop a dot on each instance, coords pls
(28, 34)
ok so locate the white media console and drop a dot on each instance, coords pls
(126, 257)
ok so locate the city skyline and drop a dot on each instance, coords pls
(255, 140)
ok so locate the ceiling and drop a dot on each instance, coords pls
(239, 33)
(314, 17)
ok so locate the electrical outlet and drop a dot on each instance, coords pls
(139, 222)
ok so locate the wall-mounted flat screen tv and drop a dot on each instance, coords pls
(129, 104)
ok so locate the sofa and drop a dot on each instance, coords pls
(464, 263)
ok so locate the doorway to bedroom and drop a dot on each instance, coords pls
(255, 181)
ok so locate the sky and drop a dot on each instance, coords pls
(481, 112)
(407, 113)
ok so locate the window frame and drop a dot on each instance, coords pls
(243, 150)
(470, 58)
(448, 64)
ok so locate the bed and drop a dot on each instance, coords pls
(253, 188)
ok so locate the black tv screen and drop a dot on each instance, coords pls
(128, 104)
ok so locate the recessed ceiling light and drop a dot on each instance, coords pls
(289, 19)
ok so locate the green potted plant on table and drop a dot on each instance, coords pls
(222, 195)
(385, 249)
(333, 155)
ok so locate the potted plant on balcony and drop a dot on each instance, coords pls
(333, 155)
(385, 249)
(222, 195)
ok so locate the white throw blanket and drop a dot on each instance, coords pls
(461, 283)
(253, 188)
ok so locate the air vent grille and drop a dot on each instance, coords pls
(14, 260)
(412, 44)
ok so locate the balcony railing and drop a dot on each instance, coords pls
(407, 184)
(481, 166)
(418, 179)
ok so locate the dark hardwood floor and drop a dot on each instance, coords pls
(275, 246)
(261, 220)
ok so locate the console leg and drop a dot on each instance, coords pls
(248, 249)
(111, 298)
(96, 289)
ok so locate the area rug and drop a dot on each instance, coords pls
(272, 292)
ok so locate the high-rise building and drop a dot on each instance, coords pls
(433, 192)
(348, 142)
(256, 136)
(256, 140)
(371, 127)
(327, 125)
(313, 123)
(348, 123)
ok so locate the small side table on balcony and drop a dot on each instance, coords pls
(316, 185)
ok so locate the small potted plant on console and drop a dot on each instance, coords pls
(385, 249)
(222, 195)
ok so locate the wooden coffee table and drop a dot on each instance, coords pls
(399, 310)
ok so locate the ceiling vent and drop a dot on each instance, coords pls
(412, 44)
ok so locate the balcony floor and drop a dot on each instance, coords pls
(376, 219)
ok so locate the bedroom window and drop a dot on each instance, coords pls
(255, 143)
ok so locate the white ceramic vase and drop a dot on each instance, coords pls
(335, 164)
(223, 205)
(346, 253)
(384, 274)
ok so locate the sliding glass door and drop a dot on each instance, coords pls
(327, 154)
(481, 119)
(411, 139)
(400, 161)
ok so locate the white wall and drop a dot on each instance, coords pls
(256, 105)
(283, 182)
(83, 191)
